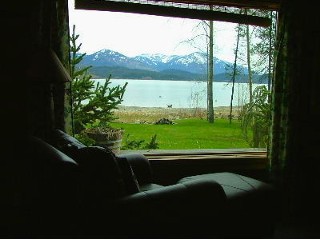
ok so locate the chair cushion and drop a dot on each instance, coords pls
(65, 143)
(140, 166)
(130, 179)
(150, 186)
(250, 204)
(234, 185)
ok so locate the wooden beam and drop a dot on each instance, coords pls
(170, 11)
(272, 5)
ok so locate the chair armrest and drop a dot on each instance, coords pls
(188, 209)
(140, 166)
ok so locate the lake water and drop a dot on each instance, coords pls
(179, 94)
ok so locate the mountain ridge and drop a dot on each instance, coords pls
(192, 67)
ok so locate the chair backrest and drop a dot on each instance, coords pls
(50, 189)
(114, 173)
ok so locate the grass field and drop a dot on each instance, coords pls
(190, 129)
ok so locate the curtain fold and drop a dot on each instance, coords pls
(279, 104)
(294, 161)
(279, 140)
(48, 96)
(60, 44)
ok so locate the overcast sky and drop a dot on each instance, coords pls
(134, 34)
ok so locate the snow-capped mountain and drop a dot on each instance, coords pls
(158, 66)
(106, 57)
(155, 61)
(194, 63)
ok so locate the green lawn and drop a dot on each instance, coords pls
(188, 134)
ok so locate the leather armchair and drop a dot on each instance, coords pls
(86, 197)
(88, 192)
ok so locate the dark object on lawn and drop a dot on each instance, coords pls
(164, 121)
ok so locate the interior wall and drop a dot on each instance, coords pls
(24, 33)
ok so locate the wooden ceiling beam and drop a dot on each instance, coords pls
(171, 11)
(272, 5)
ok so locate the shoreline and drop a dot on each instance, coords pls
(135, 114)
(216, 107)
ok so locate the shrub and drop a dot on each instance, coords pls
(256, 117)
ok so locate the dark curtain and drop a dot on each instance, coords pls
(49, 105)
(296, 110)
(60, 44)
(279, 135)
(30, 105)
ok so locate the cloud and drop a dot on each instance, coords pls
(134, 34)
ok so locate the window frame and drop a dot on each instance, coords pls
(250, 158)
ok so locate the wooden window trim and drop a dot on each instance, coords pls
(253, 158)
(149, 7)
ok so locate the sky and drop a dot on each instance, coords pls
(135, 34)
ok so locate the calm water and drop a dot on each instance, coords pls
(179, 94)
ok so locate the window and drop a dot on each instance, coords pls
(155, 90)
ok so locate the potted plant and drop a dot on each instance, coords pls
(106, 137)
(100, 113)
(93, 104)
(106, 99)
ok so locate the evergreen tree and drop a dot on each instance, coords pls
(92, 104)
